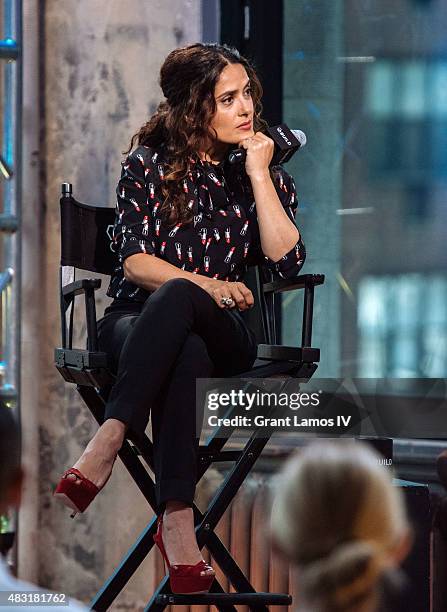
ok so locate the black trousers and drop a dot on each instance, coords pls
(158, 349)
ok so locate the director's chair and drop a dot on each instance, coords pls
(86, 243)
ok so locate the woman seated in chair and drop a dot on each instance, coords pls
(338, 519)
(187, 226)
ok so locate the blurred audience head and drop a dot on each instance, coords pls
(10, 470)
(338, 519)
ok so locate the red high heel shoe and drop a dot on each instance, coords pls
(184, 579)
(77, 493)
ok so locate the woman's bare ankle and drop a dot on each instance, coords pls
(113, 432)
(178, 533)
(97, 460)
(178, 516)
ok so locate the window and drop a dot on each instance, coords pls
(402, 322)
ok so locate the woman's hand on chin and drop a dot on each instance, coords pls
(259, 155)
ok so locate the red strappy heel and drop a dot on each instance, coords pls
(77, 493)
(184, 579)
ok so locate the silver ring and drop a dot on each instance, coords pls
(227, 301)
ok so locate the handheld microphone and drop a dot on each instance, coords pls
(287, 142)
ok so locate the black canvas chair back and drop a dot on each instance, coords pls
(87, 244)
(86, 233)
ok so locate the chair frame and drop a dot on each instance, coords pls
(88, 369)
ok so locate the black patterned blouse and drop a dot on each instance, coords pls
(223, 238)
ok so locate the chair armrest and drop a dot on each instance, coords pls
(288, 284)
(84, 284)
(306, 282)
(87, 286)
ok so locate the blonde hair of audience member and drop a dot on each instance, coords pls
(337, 517)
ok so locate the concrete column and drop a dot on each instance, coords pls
(100, 70)
(33, 275)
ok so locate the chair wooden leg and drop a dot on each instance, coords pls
(205, 524)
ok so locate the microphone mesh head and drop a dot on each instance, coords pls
(300, 136)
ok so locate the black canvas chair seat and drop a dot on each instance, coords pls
(86, 243)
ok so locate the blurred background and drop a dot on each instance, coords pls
(366, 80)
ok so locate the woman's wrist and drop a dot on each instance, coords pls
(260, 177)
(198, 279)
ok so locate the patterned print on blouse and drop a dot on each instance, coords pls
(223, 238)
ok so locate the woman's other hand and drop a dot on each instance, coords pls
(217, 289)
(259, 154)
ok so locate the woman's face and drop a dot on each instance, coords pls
(234, 105)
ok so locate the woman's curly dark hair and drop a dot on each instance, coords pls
(181, 123)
